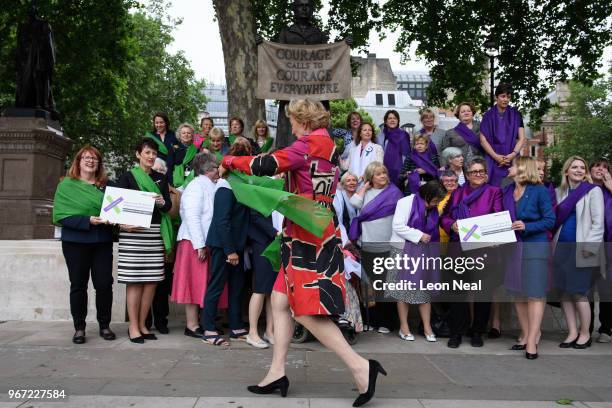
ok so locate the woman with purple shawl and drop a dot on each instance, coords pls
(371, 229)
(502, 134)
(474, 198)
(416, 234)
(600, 172)
(532, 216)
(420, 166)
(396, 144)
(430, 129)
(579, 233)
(466, 135)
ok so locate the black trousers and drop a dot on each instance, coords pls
(160, 307)
(605, 318)
(459, 316)
(384, 312)
(221, 273)
(83, 259)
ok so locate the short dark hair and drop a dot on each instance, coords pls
(349, 117)
(470, 104)
(391, 112)
(475, 160)
(207, 118)
(432, 189)
(146, 142)
(164, 116)
(237, 119)
(599, 162)
(503, 88)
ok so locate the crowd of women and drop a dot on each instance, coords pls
(398, 194)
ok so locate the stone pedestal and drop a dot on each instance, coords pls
(32, 155)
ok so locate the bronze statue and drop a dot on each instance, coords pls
(35, 62)
(303, 31)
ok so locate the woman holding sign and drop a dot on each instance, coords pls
(310, 283)
(579, 233)
(141, 250)
(87, 240)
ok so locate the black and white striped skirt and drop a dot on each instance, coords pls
(141, 256)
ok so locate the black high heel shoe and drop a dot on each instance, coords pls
(582, 346)
(375, 368)
(518, 347)
(281, 384)
(138, 340)
(570, 344)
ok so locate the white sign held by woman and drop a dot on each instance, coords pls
(130, 207)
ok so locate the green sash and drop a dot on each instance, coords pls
(231, 138)
(273, 253)
(160, 145)
(267, 146)
(178, 175)
(76, 197)
(218, 155)
(146, 183)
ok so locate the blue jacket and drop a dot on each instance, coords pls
(535, 210)
(230, 222)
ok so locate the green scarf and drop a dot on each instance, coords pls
(160, 145)
(231, 138)
(218, 155)
(76, 197)
(273, 253)
(178, 175)
(146, 183)
(267, 146)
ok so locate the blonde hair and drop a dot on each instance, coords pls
(311, 114)
(216, 132)
(564, 182)
(187, 125)
(261, 123)
(347, 175)
(420, 137)
(526, 170)
(371, 169)
(427, 112)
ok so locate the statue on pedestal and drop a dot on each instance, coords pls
(35, 63)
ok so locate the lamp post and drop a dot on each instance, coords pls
(490, 47)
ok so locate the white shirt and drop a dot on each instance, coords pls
(196, 211)
(360, 158)
(400, 231)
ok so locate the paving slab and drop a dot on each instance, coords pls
(255, 402)
(598, 404)
(447, 403)
(376, 403)
(93, 401)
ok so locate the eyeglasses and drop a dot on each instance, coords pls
(477, 173)
(90, 159)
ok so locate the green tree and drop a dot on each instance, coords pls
(539, 44)
(340, 110)
(587, 130)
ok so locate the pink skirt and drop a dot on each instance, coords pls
(191, 277)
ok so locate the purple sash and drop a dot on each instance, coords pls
(431, 147)
(381, 206)
(426, 222)
(564, 208)
(423, 161)
(462, 209)
(502, 134)
(608, 230)
(468, 135)
(397, 145)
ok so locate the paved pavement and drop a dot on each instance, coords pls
(178, 371)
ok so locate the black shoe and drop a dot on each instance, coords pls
(137, 340)
(162, 329)
(107, 334)
(570, 344)
(197, 333)
(582, 346)
(518, 347)
(494, 333)
(149, 336)
(375, 369)
(476, 340)
(531, 356)
(454, 342)
(79, 337)
(281, 384)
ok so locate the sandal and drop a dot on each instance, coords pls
(240, 334)
(214, 340)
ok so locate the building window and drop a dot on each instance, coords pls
(533, 150)
(379, 99)
(391, 99)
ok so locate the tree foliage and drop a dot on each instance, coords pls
(340, 109)
(587, 127)
(112, 72)
(539, 43)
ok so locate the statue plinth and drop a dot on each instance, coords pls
(33, 151)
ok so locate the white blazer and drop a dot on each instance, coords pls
(196, 211)
(589, 226)
(400, 231)
(359, 160)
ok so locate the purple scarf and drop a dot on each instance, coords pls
(502, 134)
(462, 210)
(431, 148)
(397, 145)
(468, 135)
(551, 192)
(510, 205)
(423, 161)
(608, 230)
(381, 206)
(565, 207)
(426, 222)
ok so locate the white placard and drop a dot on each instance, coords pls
(130, 207)
(486, 230)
